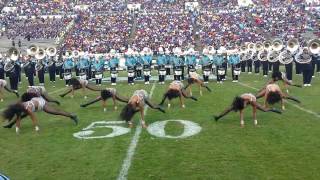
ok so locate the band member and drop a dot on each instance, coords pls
(194, 78)
(138, 66)
(286, 56)
(220, 71)
(234, 60)
(273, 57)
(104, 95)
(59, 66)
(161, 61)
(79, 84)
(52, 69)
(169, 61)
(262, 56)
(13, 73)
(113, 65)
(40, 65)
(191, 60)
(273, 94)
(176, 89)
(2, 59)
(3, 86)
(243, 63)
(146, 60)
(67, 66)
(249, 60)
(256, 63)
(18, 68)
(83, 65)
(21, 110)
(177, 64)
(240, 103)
(304, 58)
(206, 64)
(315, 58)
(29, 69)
(130, 63)
(137, 103)
(98, 67)
(38, 91)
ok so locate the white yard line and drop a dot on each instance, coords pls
(133, 144)
(294, 105)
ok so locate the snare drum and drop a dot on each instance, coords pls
(206, 72)
(162, 72)
(221, 71)
(178, 72)
(168, 66)
(83, 76)
(67, 76)
(139, 68)
(98, 75)
(147, 72)
(130, 73)
(236, 71)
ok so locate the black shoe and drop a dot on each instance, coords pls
(216, 118)
(161, 109)
(61, 95)
(75, 119)
(82, 105)
(17, 94)
(57, 102)
(10, 124)
(276, 110)
(194, 98)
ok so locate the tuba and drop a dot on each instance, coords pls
(285, 57)
(40, 56)
(277, 45)
(13, 55)
(75, 54)
(51, 52)
(32, 50)
(314, 46)
(293, 45)
(267, 45)
(259, 47)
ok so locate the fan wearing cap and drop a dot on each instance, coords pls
(161, 61)
(240, 103)
(113, 65)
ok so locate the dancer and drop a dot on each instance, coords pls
(194, 78)
(273, 94)
(3, 85)
(78, 84)
(136, 104)
(21, 110)
(104, 95)
(240, 103)
(40, 91)
(280, 76)
(176, 89)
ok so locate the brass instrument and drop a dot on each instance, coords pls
(40, 56)
(314, 46)
(293, 45)
(277, 45)
(267, 45)
(259, 46)
(51, 52)
(32, 50)
(13, 54)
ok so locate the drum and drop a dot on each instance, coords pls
(98, 75)
(168, 66)
(139, 68)
(221, 71)
(130, 73)
(114, 74)
(146, 72)
(178, 72)
(206, 72)
(83, 76)
(162, 72)
(67, 76)
(236, 71)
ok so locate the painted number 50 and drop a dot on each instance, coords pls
(156, 129)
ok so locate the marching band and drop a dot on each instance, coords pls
(139, 64)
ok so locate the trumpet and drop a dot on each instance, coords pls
(32, 50)
(293, 45)
(314, 46)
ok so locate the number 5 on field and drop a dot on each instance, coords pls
(156, 129)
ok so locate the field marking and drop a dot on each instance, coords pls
(294, 105)
(133, 144)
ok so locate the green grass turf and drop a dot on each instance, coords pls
(281, 147)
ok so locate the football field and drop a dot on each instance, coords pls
(191, 146)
